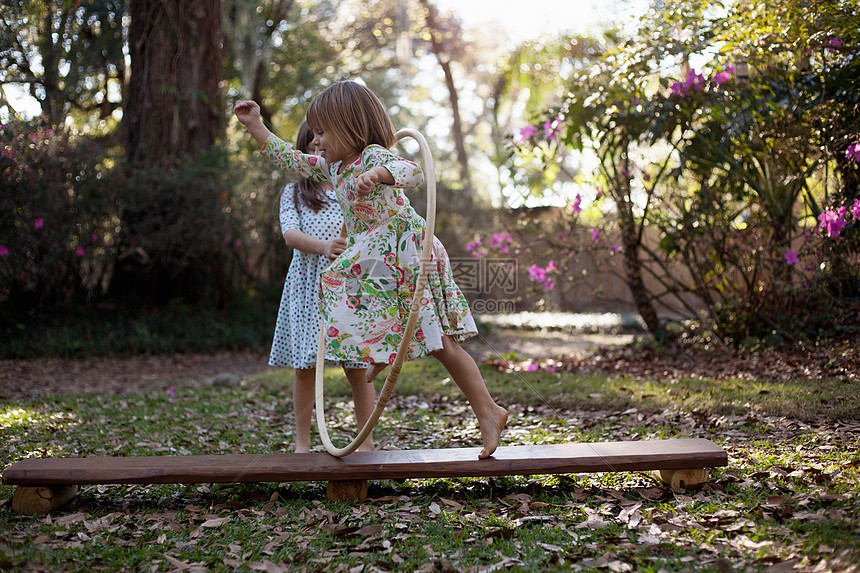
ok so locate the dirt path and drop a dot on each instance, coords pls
(581, 353)
(21, 379)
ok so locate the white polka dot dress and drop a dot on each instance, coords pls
(297, 327)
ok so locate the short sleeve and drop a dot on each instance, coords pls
(290, 218)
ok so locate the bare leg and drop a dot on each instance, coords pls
(364, 398)
(303, 406)
(373, 371)
(465, 373)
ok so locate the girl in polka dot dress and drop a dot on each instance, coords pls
(367, 292)
(311, 221)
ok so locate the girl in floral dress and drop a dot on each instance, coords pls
(367, 292)
(311, 220)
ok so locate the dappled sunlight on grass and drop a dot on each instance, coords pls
(12, 417)
(792, 478)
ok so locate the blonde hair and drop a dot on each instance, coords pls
(353, 115)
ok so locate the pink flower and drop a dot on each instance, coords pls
(834, 43)
(832, 221)
(551, 128)
(501, 240)
(533, 367)
(170, 391)
(527, 132)
(79, 251)
(791, 257)
(39, 223)
(4, 251)
(595, 234)
(694, 81)
(853, 152)
(237, 243)
(332, 332)
(855, 210)
(537, 273)
(723, 76)
(577, 201)
(549, 285)
(616, 248)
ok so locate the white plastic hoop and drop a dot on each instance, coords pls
(394, 371)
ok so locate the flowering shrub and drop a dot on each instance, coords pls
(731, 174)
(58, 216)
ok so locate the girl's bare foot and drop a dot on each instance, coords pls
(491, 430)
(374, 370)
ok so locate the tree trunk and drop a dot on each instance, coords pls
(630, 239)
(173, 224)
(173, 110)
(438, 47)
(635, 282)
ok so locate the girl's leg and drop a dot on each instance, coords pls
(303, 406)
(364, 398)
(465, 373)
(373, 370)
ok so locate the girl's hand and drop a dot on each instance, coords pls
(247, 112)
(334, 248)
(366, 182)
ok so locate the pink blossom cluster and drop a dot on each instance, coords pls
(528, 132)
(853, 152)
(694, 82)
(549, 130)
(834, 44)
(543, 275)
(535, 366)
(501, 241)
(832, 221)
(723, 76)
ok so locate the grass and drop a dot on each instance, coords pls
(789, 495)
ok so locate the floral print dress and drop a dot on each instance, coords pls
(366, 293)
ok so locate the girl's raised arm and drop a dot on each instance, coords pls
(248, 114)
(286, 158)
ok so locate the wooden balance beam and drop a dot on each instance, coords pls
(46, 483)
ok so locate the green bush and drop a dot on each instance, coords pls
(176, 234)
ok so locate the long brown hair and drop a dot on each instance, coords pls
(311, 193)
(353, 114)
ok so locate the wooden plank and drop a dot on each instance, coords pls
(386, 464)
